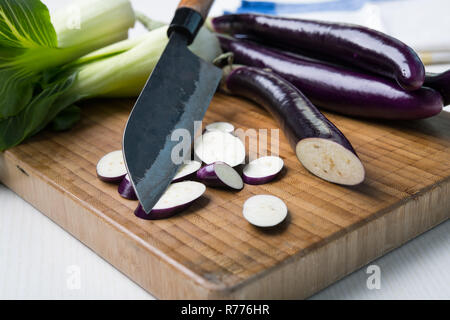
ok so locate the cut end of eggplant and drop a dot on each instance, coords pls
(330, 161)
(228, 176)
(262, 170)
(178, 197)
(219, 146)
(265, 211)
(186, 170)
(220, 126)
(111, 167)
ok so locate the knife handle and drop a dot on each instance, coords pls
(189, 17)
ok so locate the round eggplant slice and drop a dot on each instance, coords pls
(178, 197)
(220, 126)
(262, 170)
(111, 167)
(218, 146)
(265, 211)
(219, 174)
(187, 171)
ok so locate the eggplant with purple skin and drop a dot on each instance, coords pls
(354, 45)
(178, 197)
(111, 167)
(441, 83)
(338, 89)
(187, 171)
(262, 170)
(221, 175)
(318, 144)
(126, 189)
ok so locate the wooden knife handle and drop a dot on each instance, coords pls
(201, 6)
(189, 18)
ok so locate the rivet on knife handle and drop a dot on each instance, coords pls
(189, 17)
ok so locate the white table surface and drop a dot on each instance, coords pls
(39, 260)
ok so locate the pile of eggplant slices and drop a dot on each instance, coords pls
(290, 66)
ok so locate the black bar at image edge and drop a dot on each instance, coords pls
(244, 309)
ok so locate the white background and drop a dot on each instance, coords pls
(39, 260)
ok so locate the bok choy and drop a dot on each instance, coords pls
(30, 44)
(118, 70)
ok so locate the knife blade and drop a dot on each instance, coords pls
(178, 92)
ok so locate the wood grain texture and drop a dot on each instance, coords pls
(210, 251)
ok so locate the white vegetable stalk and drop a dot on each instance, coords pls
(92, 24)
(125, 73)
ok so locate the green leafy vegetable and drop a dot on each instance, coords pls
(29, 43)
(37, 114)
(118, 70)
(32, 49)
(26, 33)
(123, 71)
(66, 119)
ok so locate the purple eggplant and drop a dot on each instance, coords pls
(262, 170)
(111, 167)
(126, 189)
(354, 45)
(219, 146)
(187, 171)
(441, 83)
(265, 211)
(178, 197)
(318, 144)
(336, 88)
(220, 174)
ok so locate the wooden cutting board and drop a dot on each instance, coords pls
(210, 251)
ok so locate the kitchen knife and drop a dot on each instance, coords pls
(177, 93)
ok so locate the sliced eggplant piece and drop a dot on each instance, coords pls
(265, 211)
(220, 174)
(220, 126)
(262, 170)
(318, 144)
(126, 189)
(178, 197)
(111, 167)
(219, 146)
(187, 171)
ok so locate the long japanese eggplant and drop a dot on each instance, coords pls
(355, 45)
(319, 145)
(336, 88)
(441, 83)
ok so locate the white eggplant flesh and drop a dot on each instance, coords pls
(187, 171)
(262, 170)
(220, 126)
(178, 197)
(111, 167)
(219, 146)
(265, 211)
(220, 174)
